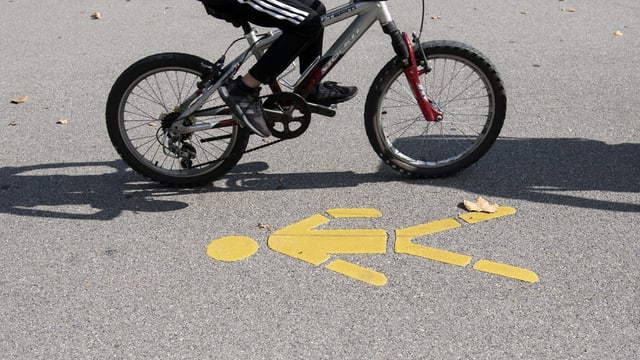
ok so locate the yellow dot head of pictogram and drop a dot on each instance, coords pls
(232, 248)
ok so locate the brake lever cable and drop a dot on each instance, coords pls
(422, 19)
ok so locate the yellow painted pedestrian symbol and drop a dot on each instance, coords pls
(304, 241)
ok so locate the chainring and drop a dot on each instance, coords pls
(288, 115)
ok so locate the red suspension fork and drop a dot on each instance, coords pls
(427, 106)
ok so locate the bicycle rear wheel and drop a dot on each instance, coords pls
(141, 108)
(468, 90)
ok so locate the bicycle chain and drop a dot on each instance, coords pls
(244, 152)
(262, 98)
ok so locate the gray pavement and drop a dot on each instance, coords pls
(99, 263)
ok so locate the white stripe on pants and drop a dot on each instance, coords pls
(278, 10)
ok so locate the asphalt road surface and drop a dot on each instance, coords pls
(97, 262)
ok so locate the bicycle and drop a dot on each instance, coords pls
(433, 110)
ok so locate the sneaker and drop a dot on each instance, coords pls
(329, 93)
(245, 106)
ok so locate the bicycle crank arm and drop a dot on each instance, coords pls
(276, 115)
(329, 111)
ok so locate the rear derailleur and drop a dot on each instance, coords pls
(174, 143)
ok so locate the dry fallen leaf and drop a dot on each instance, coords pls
(436, 17)
(481, 205)
(63, 121)
(20, 100)
(96, 16)
(266, 227)
(617, 33)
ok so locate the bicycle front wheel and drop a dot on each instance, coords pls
(465, 86)
(142, 107)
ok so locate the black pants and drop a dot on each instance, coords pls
(299, 20)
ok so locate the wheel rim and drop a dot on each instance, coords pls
(464, 95)
(154, 95)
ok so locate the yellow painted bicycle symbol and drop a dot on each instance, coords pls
(302, 240)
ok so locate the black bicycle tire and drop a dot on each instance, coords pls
(393, 69)
(117, 135)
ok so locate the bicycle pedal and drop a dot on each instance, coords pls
(329, 111)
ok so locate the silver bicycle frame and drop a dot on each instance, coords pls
(366, 13)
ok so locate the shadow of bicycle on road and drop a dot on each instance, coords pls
(562, 171)
(565, 171)
(84, 191)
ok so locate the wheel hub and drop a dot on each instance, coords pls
(168, 119)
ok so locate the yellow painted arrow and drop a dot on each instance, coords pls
(304, 242)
